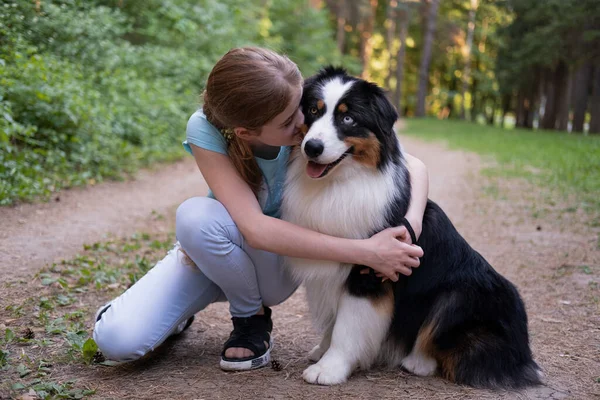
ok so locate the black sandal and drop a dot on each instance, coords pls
(252, 333)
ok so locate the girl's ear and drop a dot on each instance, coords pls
(243, 133)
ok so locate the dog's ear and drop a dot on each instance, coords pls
(384, 111)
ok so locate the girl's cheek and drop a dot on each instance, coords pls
(291, 131)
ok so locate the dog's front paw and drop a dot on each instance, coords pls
(316, 353)
(331, 370)
(319, 375)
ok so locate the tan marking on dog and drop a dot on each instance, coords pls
(320, 104)
(384, 304)
(424, 340)
(472, 342)
(447, 362)
(300, 134)
(366, 150)
(343, 108)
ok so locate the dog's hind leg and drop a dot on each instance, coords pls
(361, 326)
(317, 352)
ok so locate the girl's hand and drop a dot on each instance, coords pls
(390, 252)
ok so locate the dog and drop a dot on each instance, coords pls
(455, 315)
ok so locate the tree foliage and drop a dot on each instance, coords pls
(518, 56)
(93, 89)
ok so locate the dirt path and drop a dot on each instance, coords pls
(553, 258)
(33, 235)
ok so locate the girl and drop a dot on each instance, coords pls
(234, 237)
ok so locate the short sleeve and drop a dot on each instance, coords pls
(203, 134)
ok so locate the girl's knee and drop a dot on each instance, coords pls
(118, 341)
(201, 220)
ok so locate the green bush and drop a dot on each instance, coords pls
(94, 89)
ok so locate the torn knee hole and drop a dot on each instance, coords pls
(186, 259)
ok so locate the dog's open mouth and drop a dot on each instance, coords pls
(316, 170)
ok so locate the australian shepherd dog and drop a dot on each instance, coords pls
(455, 315)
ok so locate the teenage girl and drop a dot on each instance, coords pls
(234, 238)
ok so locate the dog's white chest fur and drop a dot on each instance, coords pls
(351, 205)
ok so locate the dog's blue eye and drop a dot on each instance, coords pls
(347, 120)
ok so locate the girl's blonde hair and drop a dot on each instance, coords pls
(248, 87)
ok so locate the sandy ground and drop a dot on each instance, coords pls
(554, 259)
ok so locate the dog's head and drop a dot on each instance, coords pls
(349, 120)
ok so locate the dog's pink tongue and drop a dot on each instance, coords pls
(315, 170)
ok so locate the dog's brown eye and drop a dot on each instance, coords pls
(313, 110)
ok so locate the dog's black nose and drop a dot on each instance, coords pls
(314, 148)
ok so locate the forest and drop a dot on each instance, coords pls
(481, 60)
(95, 89)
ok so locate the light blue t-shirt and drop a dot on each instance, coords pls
(203, 134)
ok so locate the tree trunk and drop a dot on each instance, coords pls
(366, 44)
(491, 117)
(426, 58)
(581, 86)
(475, 105)
(403, 20)
(390, 34)
(526, 106)
(467, 57)
(506, 100)
(530, 108)
(341, 26)
(533, 99)
(549, 119)
(595, 101)
(520, 117)
(563, 96)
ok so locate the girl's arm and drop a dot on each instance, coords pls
(382, 252)
(419, 182)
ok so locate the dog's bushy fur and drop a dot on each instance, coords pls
(454, 315)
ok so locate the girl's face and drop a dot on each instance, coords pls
(284, 129)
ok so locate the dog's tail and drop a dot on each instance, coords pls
(482, 369)
(486, 351)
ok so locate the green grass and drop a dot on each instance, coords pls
(566, 163)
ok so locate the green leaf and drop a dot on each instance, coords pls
(3, 358)
(586, 269)
(23, 370)
(48, 281)
(89, 350)
(9, 335)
